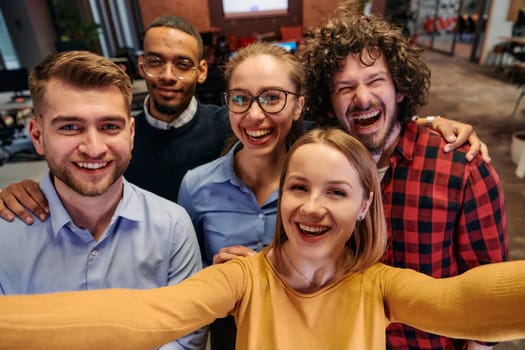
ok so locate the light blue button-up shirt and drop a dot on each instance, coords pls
(149, 243)
(224, 210)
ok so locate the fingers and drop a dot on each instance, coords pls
(457, 134)
(5, 213)
(228, 253)
(465, 134)
(475, 145)
(485, 153)
(41, 207)
(15, 198)
(447, 130)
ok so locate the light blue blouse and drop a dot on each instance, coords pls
(149, 243)
(224, 210)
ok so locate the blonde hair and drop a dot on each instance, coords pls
(368, 241)
(79, 68)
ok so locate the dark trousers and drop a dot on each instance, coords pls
(222, 334)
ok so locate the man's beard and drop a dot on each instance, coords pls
(376, 146)
(170, 110)
(87, 188)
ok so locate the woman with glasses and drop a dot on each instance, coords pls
(317, 286)
(233, 200)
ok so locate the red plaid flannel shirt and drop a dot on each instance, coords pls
(445, 215)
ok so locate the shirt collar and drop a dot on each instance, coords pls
(58, 214)
(130, 206)
(408, 140)
(226, 171)
(184, 118)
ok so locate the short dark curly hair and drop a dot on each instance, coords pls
(347, 32)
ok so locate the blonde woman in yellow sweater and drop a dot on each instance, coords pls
(317, 286)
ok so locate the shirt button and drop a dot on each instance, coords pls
(261, 216)
(94, 252)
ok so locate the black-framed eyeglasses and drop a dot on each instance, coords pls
(182, 68)
(271, 101)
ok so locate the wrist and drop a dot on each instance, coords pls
(428, 121)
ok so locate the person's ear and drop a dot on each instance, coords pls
(141, 66)
(202, 71)
(399, 97)
(298, 110)
(35, 131)
(366, 205)
(132, 131)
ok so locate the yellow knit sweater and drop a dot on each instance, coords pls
(485, 303)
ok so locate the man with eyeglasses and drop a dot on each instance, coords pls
(175, 132)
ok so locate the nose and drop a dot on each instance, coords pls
(168, 73)
(255, 112)
(313, 206)
(93, 144)
(361, 97)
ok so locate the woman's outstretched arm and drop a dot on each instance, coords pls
(119, 318)
(486, 303)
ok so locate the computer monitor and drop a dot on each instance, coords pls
(15, 81)
(288, 45)
(233, 9)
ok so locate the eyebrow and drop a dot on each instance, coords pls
(332, 182)
(159, 56)
(261, 90)
(352, 81)
(71, 119)
(64, 119)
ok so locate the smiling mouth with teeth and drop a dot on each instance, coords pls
(91, 166)
(312, 230)
(256, 134)
(366, 119)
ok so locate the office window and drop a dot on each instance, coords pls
(121, 24)
(8, 57)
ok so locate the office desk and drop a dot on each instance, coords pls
(515, 47)
(518, 40)
(7, 104)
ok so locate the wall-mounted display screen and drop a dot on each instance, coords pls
(254, 8)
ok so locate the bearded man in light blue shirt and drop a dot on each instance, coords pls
(103, 232)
